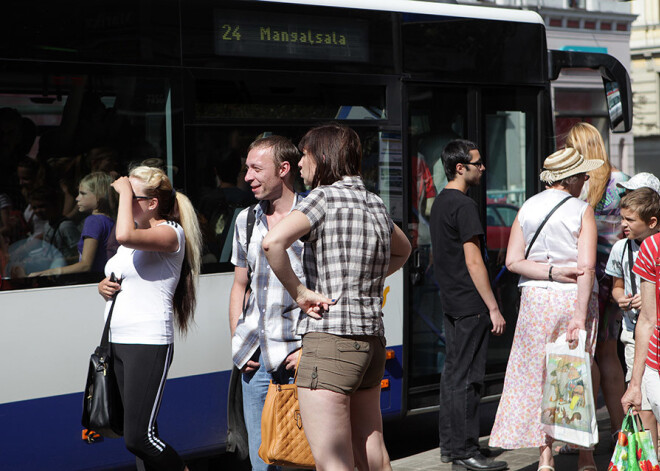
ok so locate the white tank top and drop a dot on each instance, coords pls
(558, 240)
(144, 311)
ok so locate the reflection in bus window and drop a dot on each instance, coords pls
(437, 116)
(510, 134)
(56, 128)
(614, 102)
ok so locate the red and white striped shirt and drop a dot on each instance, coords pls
(648, 267)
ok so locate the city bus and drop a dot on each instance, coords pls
(187, 85)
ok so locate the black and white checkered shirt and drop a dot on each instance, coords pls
(346, 256)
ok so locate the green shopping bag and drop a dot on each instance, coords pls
(634, 450)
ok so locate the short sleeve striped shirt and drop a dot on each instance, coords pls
(347, 252)
(646, 266)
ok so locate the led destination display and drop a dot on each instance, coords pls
(239, 33)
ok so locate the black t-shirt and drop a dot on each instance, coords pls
(454, 221)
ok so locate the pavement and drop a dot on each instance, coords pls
(525, 459)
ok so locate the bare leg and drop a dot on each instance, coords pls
(326, 416)
(367, 431)
(586, 458)
(595, 379)
(612, 382)
(546, 457)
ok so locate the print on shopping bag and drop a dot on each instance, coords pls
(567, 393)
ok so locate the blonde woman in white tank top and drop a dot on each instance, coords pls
(157, 264)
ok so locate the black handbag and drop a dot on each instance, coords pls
(103, 411)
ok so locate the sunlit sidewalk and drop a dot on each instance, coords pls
(524, 460)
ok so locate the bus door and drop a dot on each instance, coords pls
(435, 117)
(505, 125)
(512, 146)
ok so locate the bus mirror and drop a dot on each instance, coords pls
(616, 82)
(614, 108)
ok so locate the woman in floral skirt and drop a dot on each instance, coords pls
(559, 295)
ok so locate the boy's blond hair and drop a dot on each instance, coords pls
(643, 201)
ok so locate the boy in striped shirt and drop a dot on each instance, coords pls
(645, 367)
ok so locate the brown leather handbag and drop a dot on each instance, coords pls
(283, 440)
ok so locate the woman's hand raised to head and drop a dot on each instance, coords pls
(122, 185)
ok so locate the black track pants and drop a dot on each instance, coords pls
(141, 372)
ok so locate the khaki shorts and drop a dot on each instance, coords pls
(342, 364)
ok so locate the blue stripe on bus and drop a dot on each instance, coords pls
(390, 399)
(46, 433)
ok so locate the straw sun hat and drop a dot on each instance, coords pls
(564, 163)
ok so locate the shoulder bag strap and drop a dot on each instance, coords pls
(538, 231)
(251, 219)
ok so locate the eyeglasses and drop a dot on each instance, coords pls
(135, 197)
(478, 163)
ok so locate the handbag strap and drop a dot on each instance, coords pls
(538, 231)
(295, 374)
(106, 330)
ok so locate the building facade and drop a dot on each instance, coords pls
(645, 73)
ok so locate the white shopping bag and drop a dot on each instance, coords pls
(568, 413)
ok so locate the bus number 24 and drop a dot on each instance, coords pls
(231, 33)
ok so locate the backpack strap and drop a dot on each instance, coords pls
(249, 228)
(538, 231)
(631, 264)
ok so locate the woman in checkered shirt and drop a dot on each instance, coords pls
(351, 245)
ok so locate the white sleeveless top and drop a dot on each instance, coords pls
(144, 308)
(557, 243)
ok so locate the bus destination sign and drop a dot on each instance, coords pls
(240, 33)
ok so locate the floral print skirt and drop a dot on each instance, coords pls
(544, 315)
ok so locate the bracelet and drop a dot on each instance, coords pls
(550, 274)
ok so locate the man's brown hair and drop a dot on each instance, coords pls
(283, 151)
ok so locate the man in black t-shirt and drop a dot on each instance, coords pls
(470, 308)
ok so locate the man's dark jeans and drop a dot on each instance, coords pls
(461, 385)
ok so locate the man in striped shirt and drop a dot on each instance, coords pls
(264, 340)
(645, 367)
